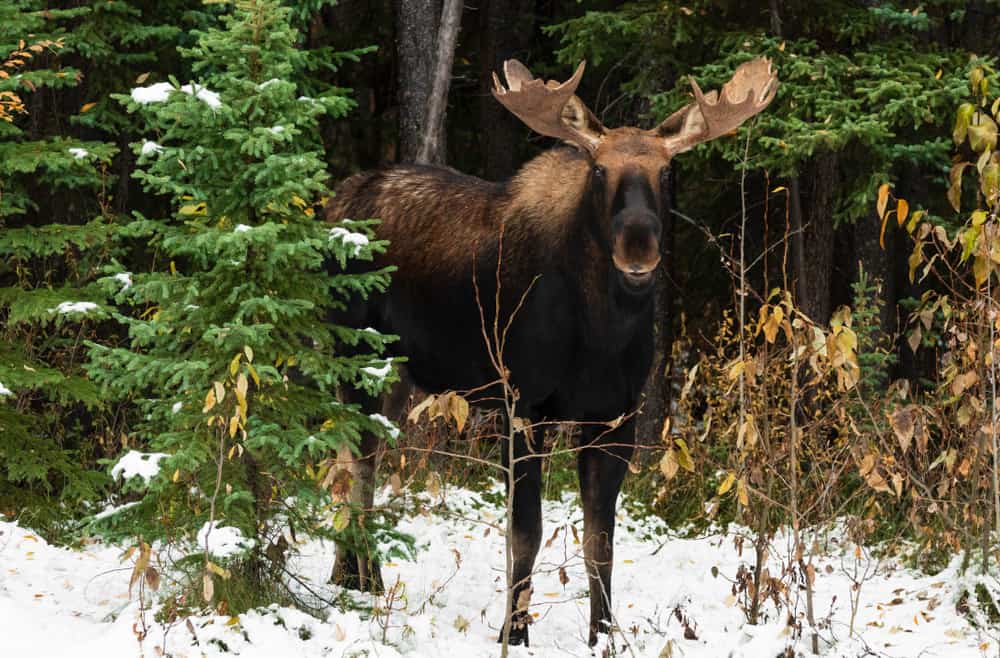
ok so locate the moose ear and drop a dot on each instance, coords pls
(751, 89)
(549, 108)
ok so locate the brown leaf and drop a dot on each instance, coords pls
(152, 577)
(207, 587)
(902, 422)
(668, 464)
(563, 578)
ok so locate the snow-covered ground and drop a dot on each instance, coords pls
(59, 602)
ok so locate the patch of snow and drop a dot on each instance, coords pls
(125, 278)
(148, 148)
(355, 240)
(4, 390)
(109, 510)
(141, 464)
(378, 373)
(154, 93)
(276, 130)
(73, 307)
(160, 92)
(207, 96)
(56, 601)
(223, 541)
(241, 228)
(79, 153)
(176, 407)
(387, 424)
(268, 83)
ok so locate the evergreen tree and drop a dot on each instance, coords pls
(231, 356)
(53, 236)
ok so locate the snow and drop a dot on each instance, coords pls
(207, 96)
(160, 92)
(154, 93)
(241, 228)
(125, 278)
(141, 464)
(378, 373)
(61, 602)
(79, 153)
(73, 307)
(277, 130)
(268, 83)
(4, 390)
(356, 240)
(386, 423)
(110, 510)
(149, 148)
(177, 407)
(223, 541)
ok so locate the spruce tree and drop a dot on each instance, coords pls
(231, 356)
(53, 237)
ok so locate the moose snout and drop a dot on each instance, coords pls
(636, 251)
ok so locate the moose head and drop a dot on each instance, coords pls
(629, 164)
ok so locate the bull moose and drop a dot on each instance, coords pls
(581, 240)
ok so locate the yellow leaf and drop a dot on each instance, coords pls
(883, 200)
(234, 365)
(459, 409)
(220, 391)
(87, 107)
(218, 571)
(727, 484)
(902, 210)
(414, 415)
(741, 493)
(249, 352)
(683, 456)
(341, 518)
(209, 402)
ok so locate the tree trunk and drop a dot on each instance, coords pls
(506, 31)
(816, 239)
(432, 146)
(416, 35)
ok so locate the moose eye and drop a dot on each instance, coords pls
(599, 172)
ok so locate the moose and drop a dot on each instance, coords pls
(565, 252)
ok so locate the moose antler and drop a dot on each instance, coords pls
(549, 108)
(750, 90)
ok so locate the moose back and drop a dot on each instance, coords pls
(563, 257)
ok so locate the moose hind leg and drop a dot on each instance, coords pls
(601, 470)
(526, 536)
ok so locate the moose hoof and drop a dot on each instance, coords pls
(518, 631)
(600, 628)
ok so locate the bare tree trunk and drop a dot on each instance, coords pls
(416, 34)
(812, 243)
(506, 31)
(432, 147)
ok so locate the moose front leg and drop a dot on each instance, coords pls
(526, 535)
(355, 567)
(602, 468)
